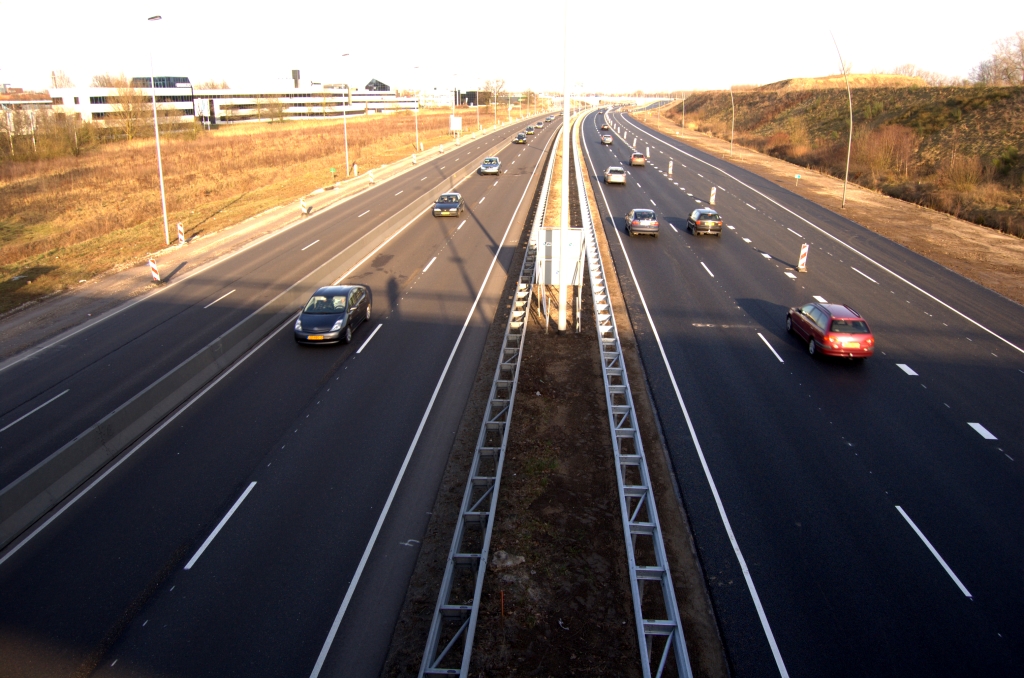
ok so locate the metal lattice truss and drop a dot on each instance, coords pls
(656, 614)
(450, 641)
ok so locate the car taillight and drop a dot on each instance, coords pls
(636, 223)
(654, 223)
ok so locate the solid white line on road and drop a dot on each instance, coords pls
(408, 455)
(770, 347)
(310, 245)
(790, 275)
(462, 224)
(866, 276)
(216, 530)
(935, 553)
(906, 368)
(793, 232)
(766, 255)
(746, 240)
(982, 431)
(731, 228)
(429, 264)
(707, 269)
(820, 300)
(368, 211)
(482, 199)
(653, 203)
(219, 298)
(673, 227)
(35, 410)
(375, 329)
(703, 461)
(399, 193)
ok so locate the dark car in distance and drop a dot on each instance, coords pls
(332, 314)
(520, 138)
(641, 221)
(449, 205)
(704, 221)
(832, 329)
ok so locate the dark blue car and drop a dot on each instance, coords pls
(332, 314)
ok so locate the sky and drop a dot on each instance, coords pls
(612, 46)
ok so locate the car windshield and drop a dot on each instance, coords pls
(319, 303)
(850, 326)
(643, 214)
(448, 199)
(616, 170)
(490, 161)
(638, 155)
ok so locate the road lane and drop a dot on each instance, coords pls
(810, 456)
(319, 480)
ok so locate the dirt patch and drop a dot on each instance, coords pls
(986, 256)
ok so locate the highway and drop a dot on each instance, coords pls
(851, 519)
(270, 526)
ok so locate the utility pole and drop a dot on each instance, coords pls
(732, 133)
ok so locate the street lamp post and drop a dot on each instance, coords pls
(732, 132)
(344, 119)
(156, 131)
(563, 289)
(849, 97)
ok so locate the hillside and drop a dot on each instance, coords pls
(857, 81)
(956, 149)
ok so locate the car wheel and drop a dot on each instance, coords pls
(789, 324)
(348, 334)
(811, 347)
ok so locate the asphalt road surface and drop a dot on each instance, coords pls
(270, 527)
(852, 519)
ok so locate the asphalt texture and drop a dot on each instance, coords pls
(288, 461)
(820, 465)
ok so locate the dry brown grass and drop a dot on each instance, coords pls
(71, 218)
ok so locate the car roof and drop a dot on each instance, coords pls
(706, 210)
(455, 194)
(840, 311)
(636, 153)
(615, 168)
(491, 159)
(335, 289)
(642, 209)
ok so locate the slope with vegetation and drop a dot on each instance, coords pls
(955, 149)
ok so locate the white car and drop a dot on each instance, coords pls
(615, 175)
(491, 165)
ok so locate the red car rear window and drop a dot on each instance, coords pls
(850, 327)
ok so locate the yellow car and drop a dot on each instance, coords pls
(529, 130)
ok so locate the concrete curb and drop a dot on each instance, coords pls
(41, 488)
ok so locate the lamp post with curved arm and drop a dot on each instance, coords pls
(156, 131)
(849, 97)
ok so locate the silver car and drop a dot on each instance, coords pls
(615, 175)
(606, 139)
(641, 221)
(490, 166)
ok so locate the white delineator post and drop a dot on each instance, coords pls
(714, 191)
(802, 265)
(670, 168)
(154, 271)
(181, 234)
(563, 288)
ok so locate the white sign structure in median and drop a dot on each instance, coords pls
(714, 192)
(802, 265)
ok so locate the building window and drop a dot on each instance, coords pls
(76, 100)
(58, 101)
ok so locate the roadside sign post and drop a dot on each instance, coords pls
(181, 234)
(154, 270)
(670, 168)
(802, 266)
(797, 179)
(332, 175)
(714, 191)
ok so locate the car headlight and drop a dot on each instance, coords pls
(338, 325)
(298, 324)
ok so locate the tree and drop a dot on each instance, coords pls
(130, 106)
(60, 80)
(106, 80)
(1006, 66)
(930, 77)
(213, 84)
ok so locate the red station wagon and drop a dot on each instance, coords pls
(832, 329)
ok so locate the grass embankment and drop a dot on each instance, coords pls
(70, 218)
(955, 149)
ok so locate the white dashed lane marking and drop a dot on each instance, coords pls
(982, 431)
(906, 368)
